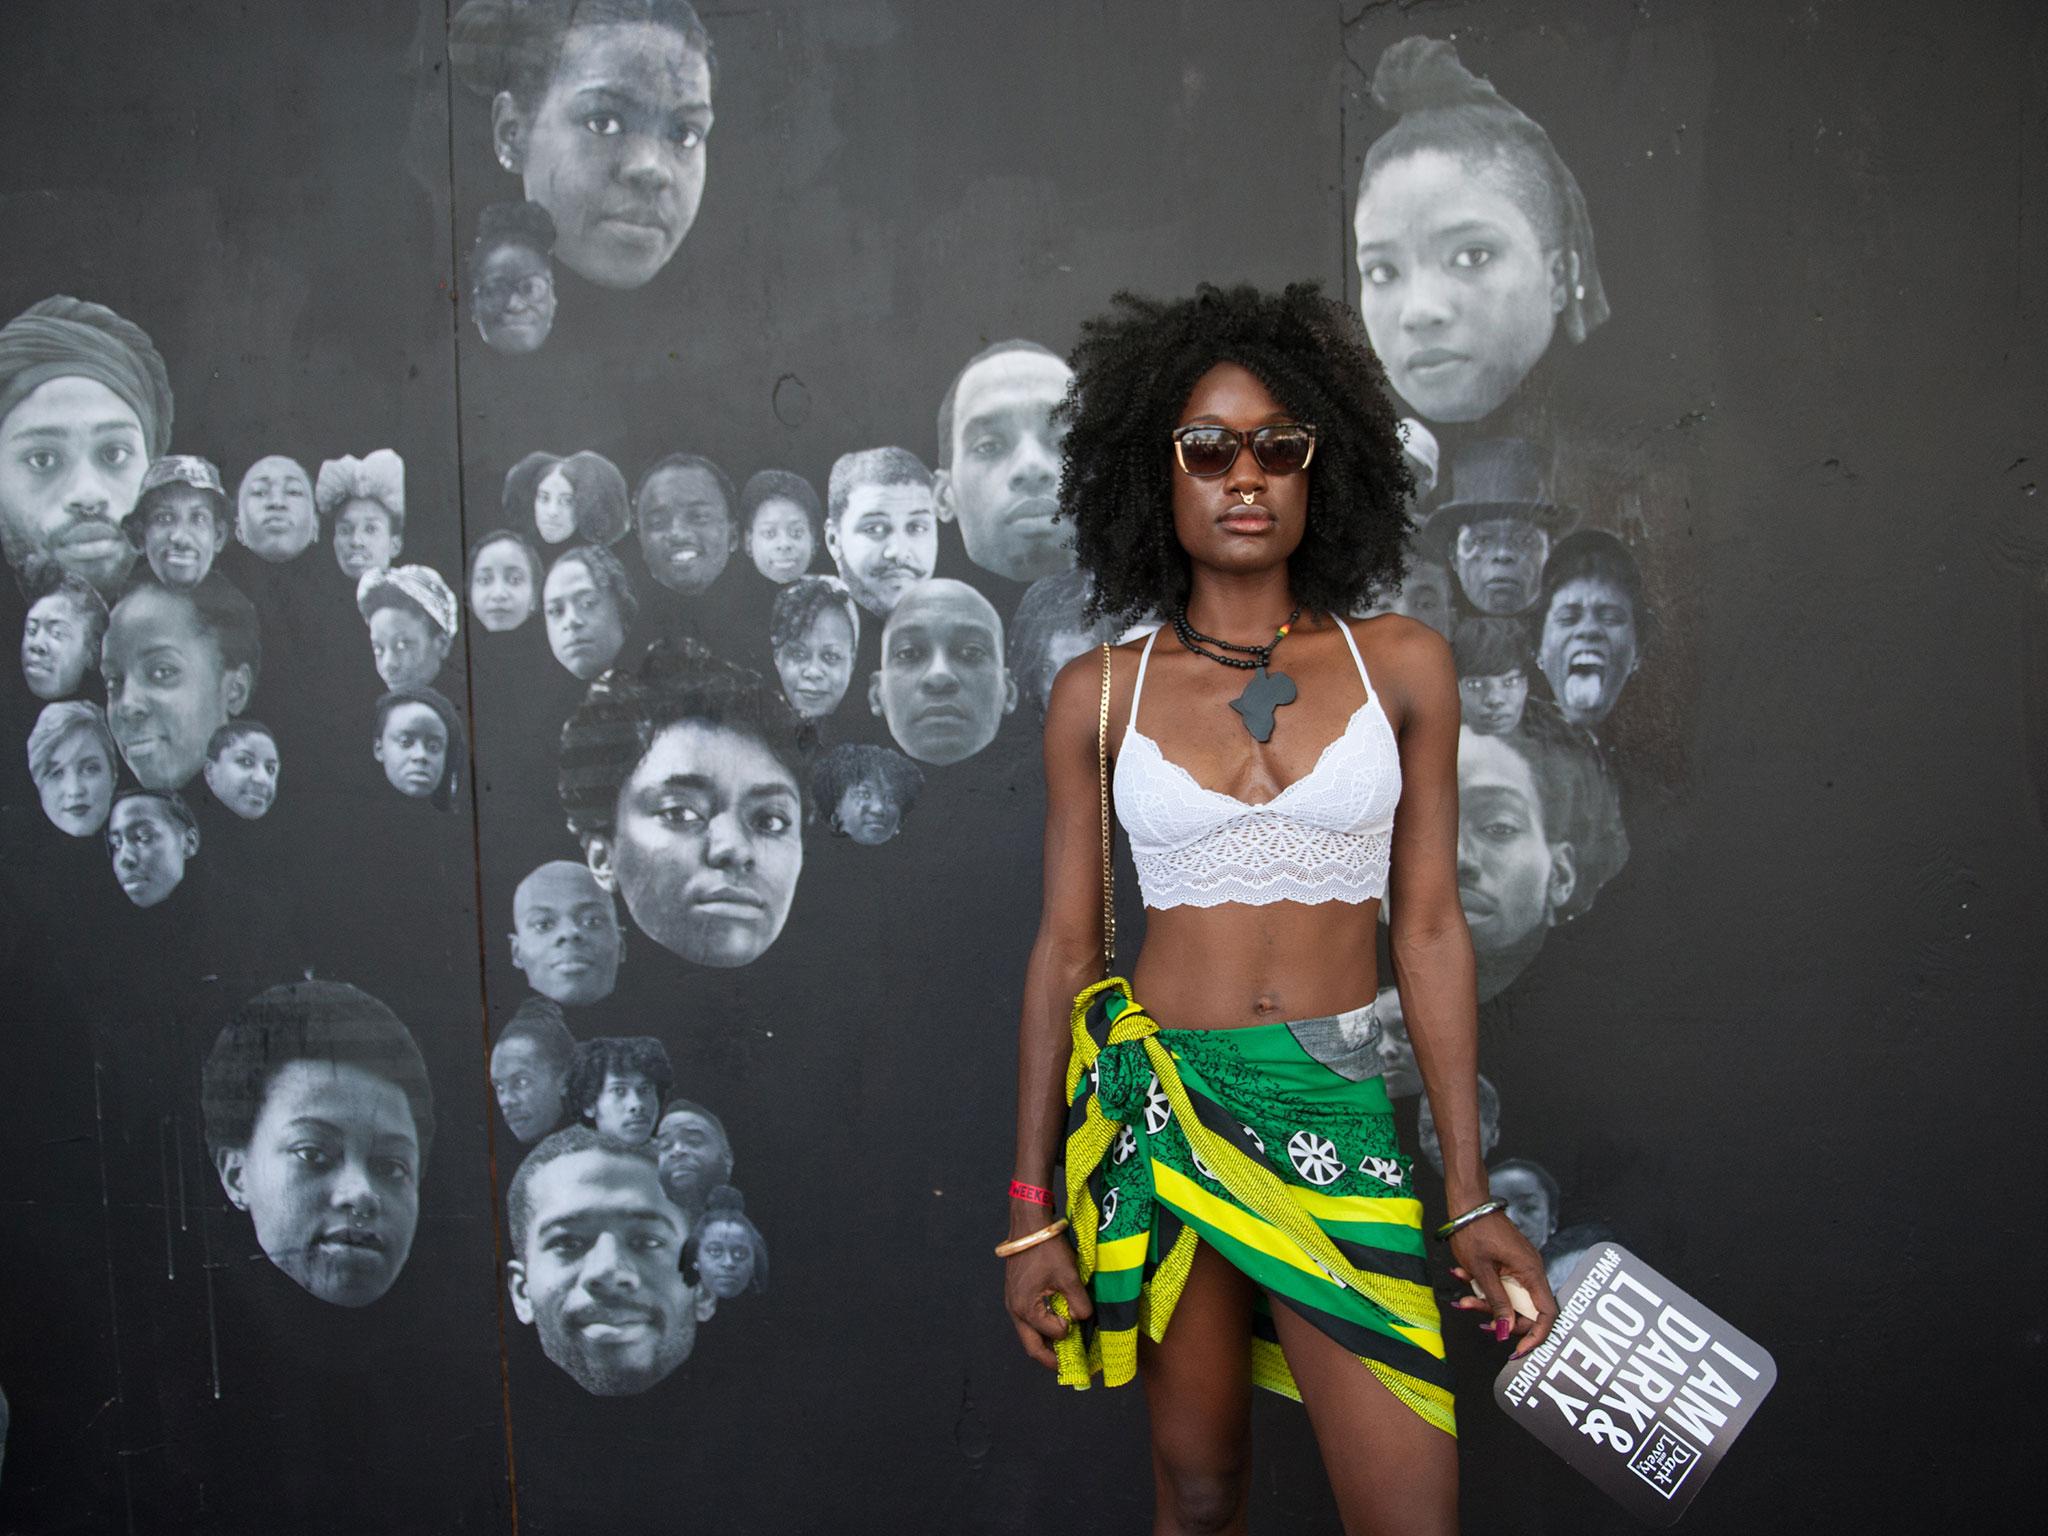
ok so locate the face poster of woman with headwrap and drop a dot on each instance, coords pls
(412, 615)
(85, 404)
(365, 498)
(601, 109)
(511, 285)
(1473, 242)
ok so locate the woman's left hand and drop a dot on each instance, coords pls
(1488, 1250)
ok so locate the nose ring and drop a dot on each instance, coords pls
(1247, 495)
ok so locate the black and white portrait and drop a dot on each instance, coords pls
(1539, 832)
(685, 516)
(504, 581)
(242, 766)
(813, 633)
(864, 792)
(85, 405)
(1498, 525)
(726, 1248)
(275, 516)
(412, 617)
(597, 1263)
(1532, 1195)
(1424, 594)
(74, 765)
(511, 284)
(1473, 244)
(578, 499)
(942, 687)
(601, 108)
(1593, 623)
(565, 934)
(1048, 631)
(999, 460)
(319, 1119)
(1489, 1125)
(178, 666)
(365, 501)
(1399, 1072)
(694, 1152)
(881, 524)
(420, 744)
(1494, 662)
(589, 605)
(61, 637)
(682, 776)
(530, 1065)
(618, 1083)
(152, 836)
(180, 519)
(782, 523)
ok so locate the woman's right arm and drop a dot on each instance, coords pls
(1066, 957)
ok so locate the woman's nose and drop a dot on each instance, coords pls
(1425, 302)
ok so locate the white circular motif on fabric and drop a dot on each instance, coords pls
(1257, 1140)
(1157, 1110)
(1108, 1211)
(1385, 1169)
(1314, 1157)
(1201, 1167)
(1126, 1144)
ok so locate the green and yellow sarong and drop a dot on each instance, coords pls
(1243, 1139)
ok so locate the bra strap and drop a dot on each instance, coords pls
(1341, 624)
(1138, 687)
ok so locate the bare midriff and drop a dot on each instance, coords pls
(1232, 966)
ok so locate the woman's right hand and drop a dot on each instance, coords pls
(1030, 1280)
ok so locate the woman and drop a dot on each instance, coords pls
(812, 631)
(554, 500)
(781, 516)
(726, 1248)
(412, 618)
(71, 758)
(589, 605)
(1594, 624)
(504, 580)
(366, 499)
(511, 286)
(682, 776)
(319, 1119)
(601, 108)
(864, 791)
(421, 745)
(1473, 240)
(1234, 463)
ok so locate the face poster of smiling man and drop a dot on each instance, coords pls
(597, 1263)
(942, 686)
(881, 524)
(319, 1118)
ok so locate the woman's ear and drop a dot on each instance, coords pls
(508, 132)
(231, 1163)
(1564, 278)
(235, 688)
(597, 854)
(1564, 879)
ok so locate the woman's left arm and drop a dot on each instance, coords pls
(1436, 973)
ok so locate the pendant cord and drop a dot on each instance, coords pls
(1260, 655)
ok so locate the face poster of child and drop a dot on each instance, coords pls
(319, 1120)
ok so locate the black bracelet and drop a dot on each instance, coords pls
(1484, 1208)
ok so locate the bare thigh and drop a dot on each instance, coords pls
(1393, 1473)
(1199, 1391)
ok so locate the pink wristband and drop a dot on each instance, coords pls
(1022, 1191)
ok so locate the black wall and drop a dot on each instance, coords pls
(1788, 1056)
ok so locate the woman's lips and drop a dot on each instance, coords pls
(1253, 519)
(730, 901)
(1433, 360)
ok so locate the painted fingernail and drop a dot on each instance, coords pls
(1501, 1329)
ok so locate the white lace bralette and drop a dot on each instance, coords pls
(1325, 837)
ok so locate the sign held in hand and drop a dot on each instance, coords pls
(1638, 1386)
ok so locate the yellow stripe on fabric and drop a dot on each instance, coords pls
(1392, 1210)
(1123, 1252)
(1196, 1204)
(1261, 1191)
(1271, 1370)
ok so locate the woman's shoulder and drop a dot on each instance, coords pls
(1404, 656)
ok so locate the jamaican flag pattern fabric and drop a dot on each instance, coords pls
(1242, 1139)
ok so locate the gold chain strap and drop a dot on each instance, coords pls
(1102, 780)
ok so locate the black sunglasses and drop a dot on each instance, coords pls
(1281, 448)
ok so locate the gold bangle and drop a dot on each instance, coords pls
(1044, 1234)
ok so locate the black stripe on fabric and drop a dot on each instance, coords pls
(1228, 1126)
(1382, 1261)
(1361, 1340)
(1114, 1315)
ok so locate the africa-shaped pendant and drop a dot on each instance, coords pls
(1265, 693)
